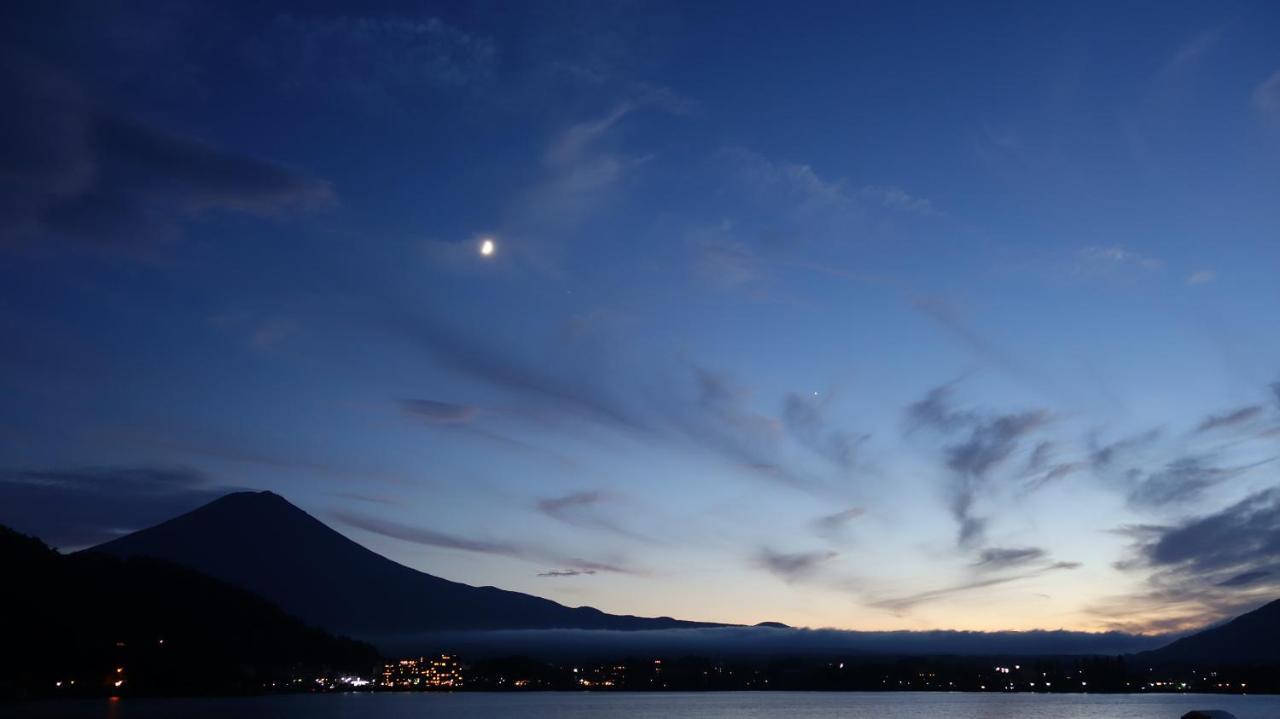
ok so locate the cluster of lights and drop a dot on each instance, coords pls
(445, 672)
(606, 676)
(442, 672)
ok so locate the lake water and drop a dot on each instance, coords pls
(729, 705)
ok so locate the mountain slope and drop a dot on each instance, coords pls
(1252, 638)
(263, 543)
(77, 624)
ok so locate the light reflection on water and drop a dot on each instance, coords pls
(727, 705)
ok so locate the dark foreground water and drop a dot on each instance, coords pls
(735, 705)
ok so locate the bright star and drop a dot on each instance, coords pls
(487, 247)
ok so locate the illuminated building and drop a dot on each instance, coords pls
(439, 672)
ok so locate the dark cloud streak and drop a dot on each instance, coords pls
(804, 417)
(77, 174)
(555, 573)
(587, 509)
(437, 412)
(1104, 456)
(78, 507)
(833, 523)
(1206, 567)
(442, 540)
(901, 604)
(990, 441)
(994, 558)
(1182, 481)
(792, 566)
(1239, 416)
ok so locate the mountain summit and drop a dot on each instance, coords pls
(263, 543)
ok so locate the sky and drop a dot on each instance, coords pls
(851, 315)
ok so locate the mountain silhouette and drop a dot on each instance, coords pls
(78, 624)
(1252, 638)
(261, 542)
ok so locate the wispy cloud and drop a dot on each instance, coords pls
(796, 183)
(1111, 261)
(735, 430)
(1242, 415)
(792, 566)
(1053, 474)
(948, 318)
(1181, 481)
(588, 509)
(992, 440)
(986, 442)
(443, 540)
(372, 59)
(92, 178)
(580, 166)
(1103, 456)
(437, 412)
(682, 403)
(896, 198)
(555, 573)
(936, 410)
(904, 603)
(81, 506)
(1205, 567)
(994, 558)
(480, 359)
(1245, 579)
(1192, 51)
(831, 524)
(370, 498)
(1266, 97)
(724, 261)
(1000, 147)
(1040, 456)
(802, 194)
(428, 537)
(1202, 277)
(805, 417)
(558, 506)
(729, 264)
(1043, 468)
(577, 175)
(572, 145)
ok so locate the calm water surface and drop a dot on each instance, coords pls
(736, 705)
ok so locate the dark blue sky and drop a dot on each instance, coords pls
(858, 315)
